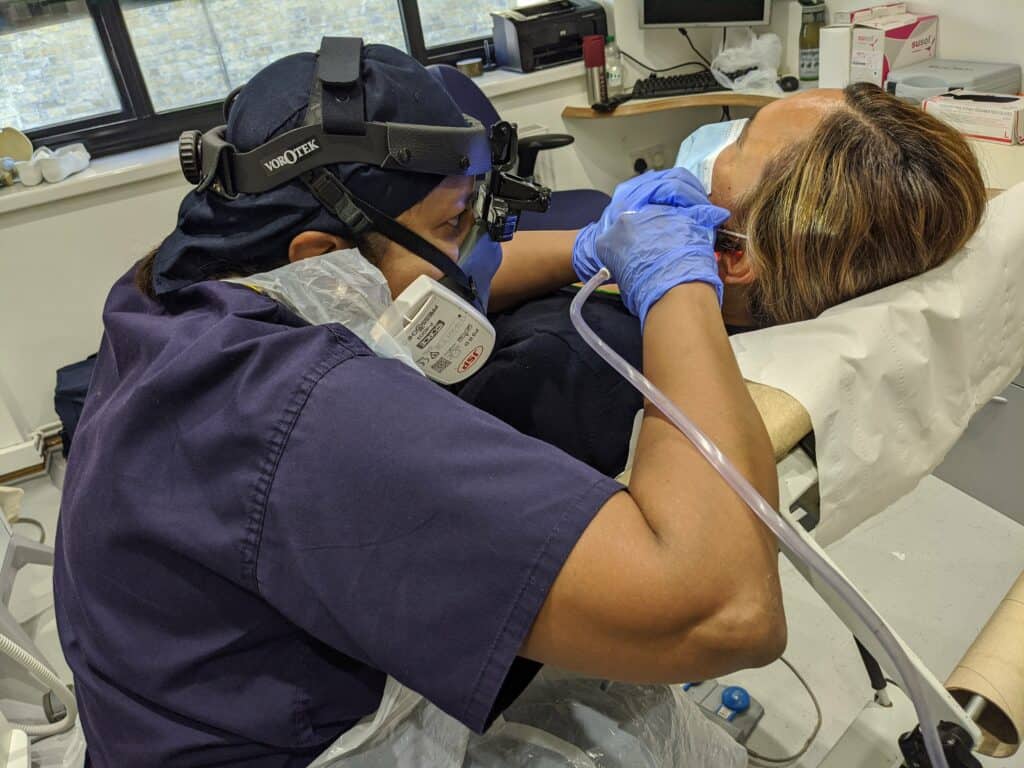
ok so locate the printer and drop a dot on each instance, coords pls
(545, 35)
(928, 78)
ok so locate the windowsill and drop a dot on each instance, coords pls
(500, 82)
(102, 173)
(162, 159)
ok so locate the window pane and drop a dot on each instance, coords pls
(195, 51)
(53, 67)
(177, 52)
(452, 21)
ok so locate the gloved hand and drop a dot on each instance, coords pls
(658, 247)
(674, 186)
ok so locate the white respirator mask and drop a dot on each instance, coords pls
(428, 326)
(447, 338)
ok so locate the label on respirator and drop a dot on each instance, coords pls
(447, 338)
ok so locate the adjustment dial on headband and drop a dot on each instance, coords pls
(189, 156)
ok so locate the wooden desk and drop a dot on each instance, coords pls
(668, 103)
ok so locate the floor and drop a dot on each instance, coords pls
(987, 461)
(935, 565)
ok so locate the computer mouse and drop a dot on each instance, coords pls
(789, 83)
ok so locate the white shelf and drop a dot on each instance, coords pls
(499, 81)
(102, 173)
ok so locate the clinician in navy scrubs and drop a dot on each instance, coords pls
(262, 519)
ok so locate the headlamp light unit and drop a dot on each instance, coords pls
(336, 131)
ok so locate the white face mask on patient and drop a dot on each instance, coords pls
(701, 149)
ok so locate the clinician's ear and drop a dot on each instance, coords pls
(735, 268)
(314, 243)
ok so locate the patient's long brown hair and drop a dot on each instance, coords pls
(880, 191)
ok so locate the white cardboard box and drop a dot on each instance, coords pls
(834, 69)
(866, 14)
(1000, 121)
(886, 40)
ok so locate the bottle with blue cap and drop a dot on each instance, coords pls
(735, 701)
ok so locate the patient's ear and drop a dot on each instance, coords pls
(314, 243)
(735, 268)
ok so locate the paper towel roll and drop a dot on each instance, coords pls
(993, 668)
(834, 69)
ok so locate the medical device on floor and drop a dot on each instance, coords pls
(946, 733)
(730, 707)
(15, 553)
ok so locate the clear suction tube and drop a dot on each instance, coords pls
(808, 552)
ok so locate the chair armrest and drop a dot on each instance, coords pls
(786, 420)
(531, 145)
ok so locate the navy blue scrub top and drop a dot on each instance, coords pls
(546, 382)
(261, 520)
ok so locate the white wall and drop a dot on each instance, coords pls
(58, 261)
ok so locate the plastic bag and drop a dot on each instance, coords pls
(745, 50)
(619, 725)
(337, 287)
(557, 722)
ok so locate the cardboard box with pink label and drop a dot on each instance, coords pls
(885, 37)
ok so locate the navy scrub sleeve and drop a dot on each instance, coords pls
(419, 535)
(261, 520)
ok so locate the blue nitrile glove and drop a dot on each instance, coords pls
(675, 186)
(653, 250)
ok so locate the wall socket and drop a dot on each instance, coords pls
(649, 158)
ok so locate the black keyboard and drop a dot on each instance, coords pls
(676, 85)
(654, 87)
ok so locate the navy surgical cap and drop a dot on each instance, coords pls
(216, 236)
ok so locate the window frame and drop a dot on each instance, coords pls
(482, 47)
(138, 124)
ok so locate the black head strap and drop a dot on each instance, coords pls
(360, 217)
(340, 78)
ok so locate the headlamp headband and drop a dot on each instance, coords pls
(335, 132)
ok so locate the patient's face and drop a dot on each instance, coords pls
(774, 127)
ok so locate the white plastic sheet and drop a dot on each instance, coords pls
(336, 287)
(557, 722)
(891, 379)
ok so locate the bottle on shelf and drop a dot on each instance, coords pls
(593, 61)
(813, 19)
(613, 67)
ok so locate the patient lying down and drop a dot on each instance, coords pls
(838, 192)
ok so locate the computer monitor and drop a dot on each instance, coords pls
(705, 13)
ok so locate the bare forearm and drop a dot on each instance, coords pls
(676, 580)
(533, 263)
(687, 354)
